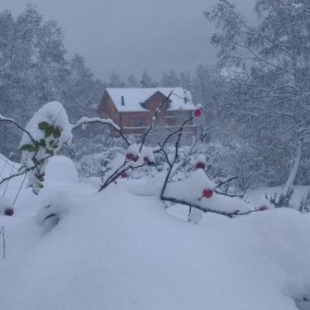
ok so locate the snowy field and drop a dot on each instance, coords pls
(119, 250)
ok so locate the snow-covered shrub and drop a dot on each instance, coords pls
(97, 164)
(200, 193)
(95, 139)
(225, 160)
(45, 135)
(136, 156)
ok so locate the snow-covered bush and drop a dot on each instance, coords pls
(136, 156)
(94, 139)
(96, 164)
(185, 170)
(45, 135)
(196, 190)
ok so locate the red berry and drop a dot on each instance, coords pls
(200, 165)
(124, 175)
(41, 177)
(207, 193)
(129, 156)
(198, 113)
(135, 158)
(146, 159)
(262, 208)
(9, 211)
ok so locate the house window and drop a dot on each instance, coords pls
(139, 122)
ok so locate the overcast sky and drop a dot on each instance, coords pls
(133, 35)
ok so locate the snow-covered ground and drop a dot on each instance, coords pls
(118, 250)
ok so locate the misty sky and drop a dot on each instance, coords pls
(133, 35)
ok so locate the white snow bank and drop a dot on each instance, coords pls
(117, 251)
(60, 169)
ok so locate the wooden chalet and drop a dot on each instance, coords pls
(133, 109)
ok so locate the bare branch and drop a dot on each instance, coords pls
(229, 195)
(2, 231)
(176, 155)
(94, 120)
(154, 118)
(12, 121)
(225, 182)
(117, 173)
(203, 209)
(23, 170)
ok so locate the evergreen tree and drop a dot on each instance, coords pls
(34, 70)
(170, 79)
(186, 81)
(132, 81)
(115, 80)
(146, 81)
(83, 91)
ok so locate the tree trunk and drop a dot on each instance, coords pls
(291, 179)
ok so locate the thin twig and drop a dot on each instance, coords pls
(7, 184)
(228, 195)
(225, 182)
(203, 209)
(23, 171)
(176, 155)
(154, 118)
(12, 121)
(117, 173)
(114, 176)
(20, 188)
(94, 120)
(2, 231)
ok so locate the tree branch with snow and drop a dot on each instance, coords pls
(93, 120)
(198, 191)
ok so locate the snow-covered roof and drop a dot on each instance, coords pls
(133, 97)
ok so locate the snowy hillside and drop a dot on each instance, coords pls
(116, 250)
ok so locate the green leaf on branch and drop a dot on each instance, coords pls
(42, 142)
(49, 151)
(28, 147)
(48, 131)
(44, 126)
(56, 133)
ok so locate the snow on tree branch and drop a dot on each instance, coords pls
(92, 120)
(197, 191)
(135, 157)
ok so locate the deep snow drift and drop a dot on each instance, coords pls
(117, 250)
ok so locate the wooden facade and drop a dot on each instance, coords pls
(137, 119)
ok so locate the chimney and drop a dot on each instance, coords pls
(123, 100)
